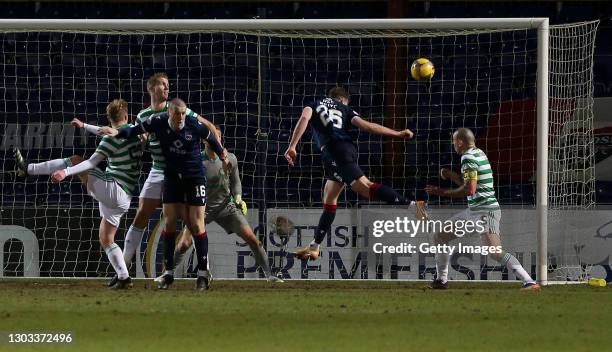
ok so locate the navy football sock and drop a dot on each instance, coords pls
(386, 194)
(201, 246)
(169, 244)
(325, 221)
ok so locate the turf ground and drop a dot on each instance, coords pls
(308, 316)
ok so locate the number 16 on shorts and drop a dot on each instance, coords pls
(200, 193)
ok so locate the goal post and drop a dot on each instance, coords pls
(542, 152)
(262, 53)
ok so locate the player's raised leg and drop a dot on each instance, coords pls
(44, 168)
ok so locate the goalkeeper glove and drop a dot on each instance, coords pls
(241, 205)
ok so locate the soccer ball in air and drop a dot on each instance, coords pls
(422, 69)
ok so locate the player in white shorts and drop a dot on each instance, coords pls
(112, 188)
(477, 185)
(151, 192)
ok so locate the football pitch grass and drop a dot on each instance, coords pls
(307, 316)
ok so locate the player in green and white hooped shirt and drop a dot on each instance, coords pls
(475, 183)
(112, 188)
(151, 192)
(225, 207)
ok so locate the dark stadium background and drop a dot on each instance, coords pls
(267, 180)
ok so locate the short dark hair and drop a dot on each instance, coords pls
(338, 93)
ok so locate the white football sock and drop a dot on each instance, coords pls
(48, 167)
(132, 243)
(514, 266)
(116, 259)
(442, 260)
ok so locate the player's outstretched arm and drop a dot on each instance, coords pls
(375, 128)
(84, 166)
(127, 132)
(298, 132)
(93, 129)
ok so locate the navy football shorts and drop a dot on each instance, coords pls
(340, 162)
(190, 191)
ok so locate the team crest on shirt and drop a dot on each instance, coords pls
(188, 136)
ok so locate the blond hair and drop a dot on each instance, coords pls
(116, 110)
(156, 79)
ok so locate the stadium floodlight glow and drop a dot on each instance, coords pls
(336, 29)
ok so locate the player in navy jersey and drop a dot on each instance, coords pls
(332, 118)
(184, 194)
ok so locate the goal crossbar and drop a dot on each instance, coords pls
(275, 24)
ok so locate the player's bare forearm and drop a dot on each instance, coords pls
(444, 192)
(456, 178)
(380, 130)
(459, 192)
(300, 128)
(468, 188)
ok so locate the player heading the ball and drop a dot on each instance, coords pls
(332, 119)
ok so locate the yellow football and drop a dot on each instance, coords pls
(422, 69)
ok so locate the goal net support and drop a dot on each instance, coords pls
(525, 88)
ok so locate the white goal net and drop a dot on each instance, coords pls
(254, 84)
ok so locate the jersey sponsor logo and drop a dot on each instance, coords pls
(176, 148)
